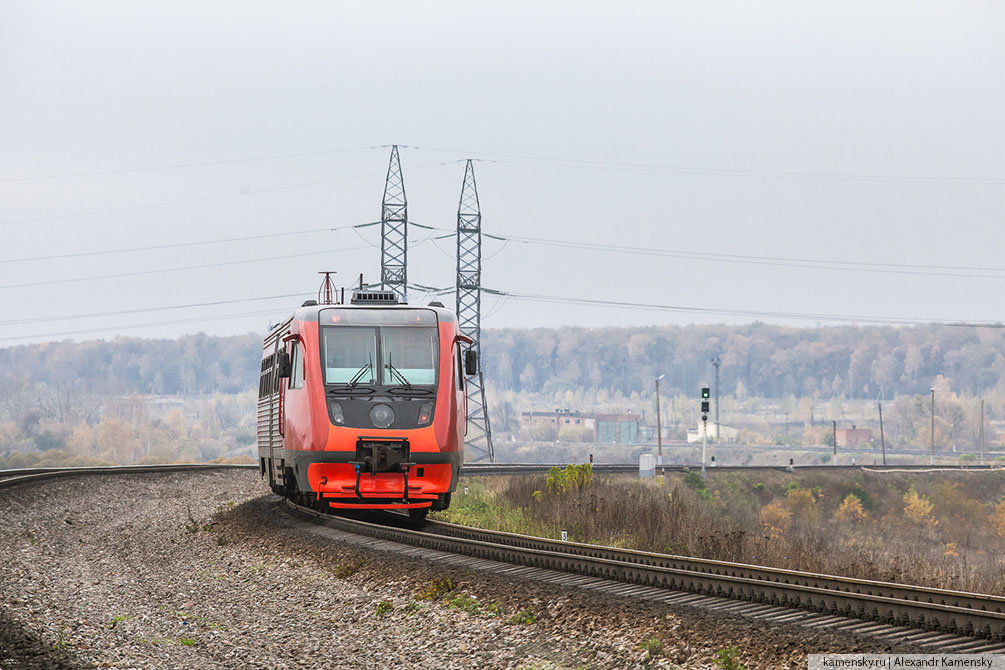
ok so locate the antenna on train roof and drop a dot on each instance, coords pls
(327, 295)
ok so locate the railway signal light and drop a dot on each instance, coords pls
(704, 393)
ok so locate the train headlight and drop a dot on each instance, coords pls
(338, 416)
(425, 413)
(382, 416)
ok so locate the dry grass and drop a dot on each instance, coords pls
(939, 529)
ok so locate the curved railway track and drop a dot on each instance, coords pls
(941, 619)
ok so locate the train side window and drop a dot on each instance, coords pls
(297, 374)
(460, 370)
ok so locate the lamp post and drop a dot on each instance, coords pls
(931, 457)
(659, 425)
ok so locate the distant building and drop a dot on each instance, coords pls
(715, 431)
(605, 428)
(853, 437)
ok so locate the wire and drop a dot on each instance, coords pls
(717, 172)
(209, 198)
(48, 282)
(92, 315)
(964, 271)
(175, 166)
(744, 312)
(140, 325)
(184, 244)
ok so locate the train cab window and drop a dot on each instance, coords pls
(297, 361)
(409, 354)
(460, 370)
(349, 354)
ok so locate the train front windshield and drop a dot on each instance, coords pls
(388, 354)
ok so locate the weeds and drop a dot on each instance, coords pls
(653, 647)
(59, 646)
(383, 607)
(116, 620)
(526, 616)
(728, 659)
(348, 569)
(436, 589)
(186, 642)
(192, 526)
(465, 602)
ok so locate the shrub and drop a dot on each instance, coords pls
(802, 503)
(998, 519)
(571, 477)
(918, 509)
(775, 518)
(851, 510)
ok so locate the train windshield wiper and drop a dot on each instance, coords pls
(368, 366)
(396, 373)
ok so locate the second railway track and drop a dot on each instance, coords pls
(936, 618)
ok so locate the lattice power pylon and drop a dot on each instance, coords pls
(394, 231)
(469, 307)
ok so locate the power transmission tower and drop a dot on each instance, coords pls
(394, 231)
(469, 307)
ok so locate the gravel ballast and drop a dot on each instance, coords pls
(204, 570)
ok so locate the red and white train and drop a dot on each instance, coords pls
(362, 405)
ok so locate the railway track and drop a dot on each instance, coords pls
(936, 618)
(25, 475)
(940, 619)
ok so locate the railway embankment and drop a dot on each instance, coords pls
(203, 569)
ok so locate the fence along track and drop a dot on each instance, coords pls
(950, 618)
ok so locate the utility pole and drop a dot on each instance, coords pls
(394, 231)
(882, 438)
(716, 361)
(834, 436)
(931, 457)
(982, 431)
(469, 306)
(659, 431)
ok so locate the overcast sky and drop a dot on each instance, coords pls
(852, 132)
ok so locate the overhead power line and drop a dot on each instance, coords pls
(120, 275)
(965, 271)
(179, 245)
(176, 166)
(710, 171)
(160, 308)
(847, 318)
(187, 201)
(133, 326)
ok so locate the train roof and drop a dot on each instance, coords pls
(310, 310)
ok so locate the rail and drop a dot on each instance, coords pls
(956, 613)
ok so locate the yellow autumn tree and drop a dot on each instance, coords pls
(918, 509)
(775, 518)
(851, 510)
(998, 519)
(802, 503)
